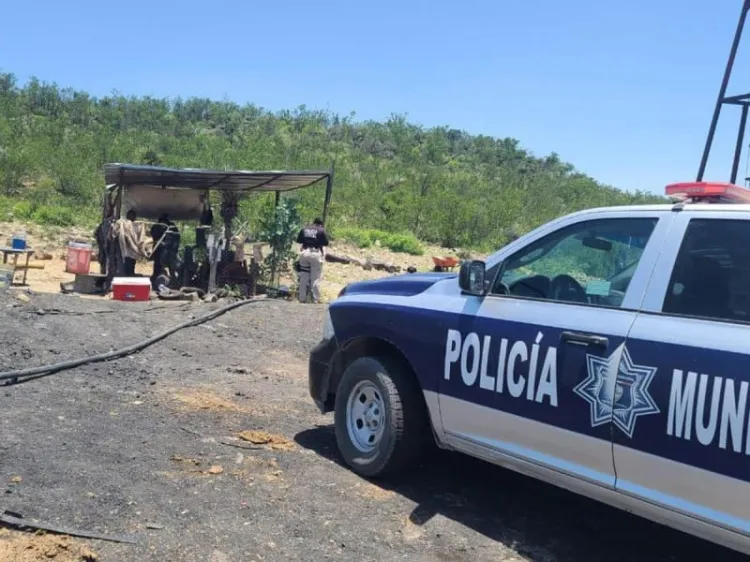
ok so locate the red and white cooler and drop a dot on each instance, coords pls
(131, 288)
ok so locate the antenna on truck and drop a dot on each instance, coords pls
(743, 100)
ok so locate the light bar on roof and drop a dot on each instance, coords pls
(711, 192)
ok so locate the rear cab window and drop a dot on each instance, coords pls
(711, 274)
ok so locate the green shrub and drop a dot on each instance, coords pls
(366, 238)
(53, 216)
(403, 243)
(23, 210)
(358, 237)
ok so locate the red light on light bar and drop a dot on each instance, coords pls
(720, 192)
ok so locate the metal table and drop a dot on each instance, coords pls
(7, 252)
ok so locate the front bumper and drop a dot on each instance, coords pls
(320, 367)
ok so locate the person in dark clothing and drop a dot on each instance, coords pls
(101, 235)
(159, 236)
(207, 215)
(313, 238)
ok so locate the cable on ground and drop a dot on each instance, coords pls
(32, 373)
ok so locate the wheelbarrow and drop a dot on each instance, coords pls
(445, 263)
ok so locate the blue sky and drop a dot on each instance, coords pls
(623, 90)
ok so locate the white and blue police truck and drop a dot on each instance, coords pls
(606, 352)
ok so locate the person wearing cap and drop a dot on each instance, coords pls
(313, 239)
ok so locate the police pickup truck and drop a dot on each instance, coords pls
(607, 352)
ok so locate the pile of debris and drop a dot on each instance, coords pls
(195, 294)
(364, 264)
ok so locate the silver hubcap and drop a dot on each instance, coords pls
(365, 416)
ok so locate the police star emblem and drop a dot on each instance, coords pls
(617, 392)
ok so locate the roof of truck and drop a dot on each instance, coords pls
(698, 207)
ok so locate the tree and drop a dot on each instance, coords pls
(442, 184)
(279, 229)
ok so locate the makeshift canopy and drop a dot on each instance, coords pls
(153, 190)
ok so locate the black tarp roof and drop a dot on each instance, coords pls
(218, 180)
(154, 190)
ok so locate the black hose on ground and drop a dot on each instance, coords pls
(44, 370)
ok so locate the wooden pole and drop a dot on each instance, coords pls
(329, 190)
(119, 197)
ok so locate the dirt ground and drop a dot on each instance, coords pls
(206, 447)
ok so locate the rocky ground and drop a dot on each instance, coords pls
(206, 447)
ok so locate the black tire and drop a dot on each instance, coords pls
(406, 426)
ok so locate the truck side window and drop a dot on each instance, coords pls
(591, 262)
(711, 275)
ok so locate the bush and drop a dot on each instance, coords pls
(359, 237)
(23, 210)
(403, 243)
(366, 238)
(53, 216)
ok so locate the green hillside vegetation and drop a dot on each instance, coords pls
(392, 179)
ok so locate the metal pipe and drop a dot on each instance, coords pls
(738, 146)
(723, 90)
(741, 98)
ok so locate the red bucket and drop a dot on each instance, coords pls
(78, 260)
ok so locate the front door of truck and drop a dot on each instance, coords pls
(547, 340)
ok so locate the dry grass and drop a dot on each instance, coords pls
(259, 437)
(25, 547)
(199, 399)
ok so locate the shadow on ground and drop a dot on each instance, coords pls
(519, 511)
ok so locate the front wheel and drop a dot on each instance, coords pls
(380, 417)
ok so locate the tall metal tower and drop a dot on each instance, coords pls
(743, 100)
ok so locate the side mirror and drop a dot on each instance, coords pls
(471, 277)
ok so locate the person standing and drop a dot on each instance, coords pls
(128, 253)
(313, 239)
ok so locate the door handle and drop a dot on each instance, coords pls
(584, 339)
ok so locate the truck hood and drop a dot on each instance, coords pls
(405, 285)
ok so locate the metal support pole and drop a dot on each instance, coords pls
(738, 146)
(277, 200)
(723, 89)
(329, 191)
